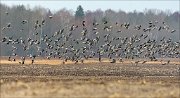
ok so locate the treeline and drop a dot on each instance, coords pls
(17, 15)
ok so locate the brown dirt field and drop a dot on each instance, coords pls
(109, 80)
(4, 60)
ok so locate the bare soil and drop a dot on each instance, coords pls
(110, 80)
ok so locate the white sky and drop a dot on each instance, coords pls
(127, 6)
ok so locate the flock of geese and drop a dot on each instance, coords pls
(93, 43)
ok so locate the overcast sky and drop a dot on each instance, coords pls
(93, 5)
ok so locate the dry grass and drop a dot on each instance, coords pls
(94, 88)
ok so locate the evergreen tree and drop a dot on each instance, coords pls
(79, 12)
